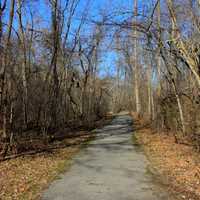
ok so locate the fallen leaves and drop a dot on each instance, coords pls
(178, 162)
(25, 177)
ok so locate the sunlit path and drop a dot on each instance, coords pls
(66, 66)
(110, 168)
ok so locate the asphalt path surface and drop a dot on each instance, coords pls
(110, 168)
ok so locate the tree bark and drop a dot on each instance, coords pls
(136, 67)
(177, 40)
(24, 62)
(180, 109)
(6, 82)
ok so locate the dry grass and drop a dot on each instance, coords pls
(179, 163)
(24, 178)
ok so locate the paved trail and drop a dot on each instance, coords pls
(110, 168)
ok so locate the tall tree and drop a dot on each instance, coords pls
(136, 64)
(24, 61)
(191, 58)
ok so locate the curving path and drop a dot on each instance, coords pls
(110, 168)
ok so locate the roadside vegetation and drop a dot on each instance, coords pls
(177, 165)
(65, 64)
(26, 177)
(51, 73)
(49, 82)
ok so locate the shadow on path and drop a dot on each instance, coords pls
(109, 168)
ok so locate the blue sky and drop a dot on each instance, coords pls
(42, 15)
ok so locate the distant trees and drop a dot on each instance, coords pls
(179, 63)
(49, 76)
(49, 70)
(168, 60)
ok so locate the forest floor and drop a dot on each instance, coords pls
(25, 177)
(177, 164)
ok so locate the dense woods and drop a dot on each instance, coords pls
(48, 73)
(159, 46)
(50, 64)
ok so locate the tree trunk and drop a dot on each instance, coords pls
(180, 45)
(136, 67)
(180, 109)
(24, 62)
(158, 53)
(149, 89)
(5, 89)
(55, 33)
